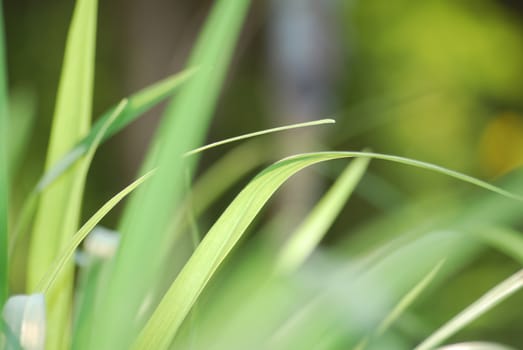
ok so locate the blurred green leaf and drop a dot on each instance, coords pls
(489, 300)
(66, 254)
(305, 239)
(22, 107)
(409, 298)
(4, 166)
(504, 239)
(138, 104)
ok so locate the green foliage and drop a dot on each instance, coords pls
(169, 286)
(59, 208)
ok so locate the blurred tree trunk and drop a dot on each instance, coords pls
(302, 49)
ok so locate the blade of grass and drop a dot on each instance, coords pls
(477, 345)
(66, 254)
(59, 207)
(138, 104)
(309, 234)
(489, 300)
(151, 207)
(225, 172)
(31, 201)
(408, 299)
(504, 239)
(229, 228)
(259, 133)
(4, 166)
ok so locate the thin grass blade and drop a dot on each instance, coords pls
(408, 299)
(474, 311)
(305, 239)
(60, 263)
(506, 240)
(477, 345)
(259, 133)
(137, 104)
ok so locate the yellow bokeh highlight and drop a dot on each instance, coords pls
(501, 146)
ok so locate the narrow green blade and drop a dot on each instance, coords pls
(59, 208)
(147, 216)
(303, 241)
(489, 300)
(408, 299)
(4, 166)
(66, 254)
(229, 228)
(504, 239)
(138, 104)
(259, 133)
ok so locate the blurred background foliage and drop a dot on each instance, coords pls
(435, 80)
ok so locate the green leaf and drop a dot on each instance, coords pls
(4, 166)
(59, 207)
(138, 104)
(504, 239)
(489, 300)
(229, 228)
(476, 345)
(408, 299)
(259, 133)
(22, 115)
(66, 254)
(309, 234)
(147, 216)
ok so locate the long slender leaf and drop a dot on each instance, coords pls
(66, 254)
(475, 310)
(4, 165)
(138, 104)
(226, 232)
(477, 345)
(504, 239)
(148, 213)
(408, 299)
(259, 133)
(59, 207)
(309, 234)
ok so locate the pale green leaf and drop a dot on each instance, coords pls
(303, 241)
(79, 236)
(408, 299)
(489, 300)
(59, 206)
(138, 104)
(259, 133)
(476, 345)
